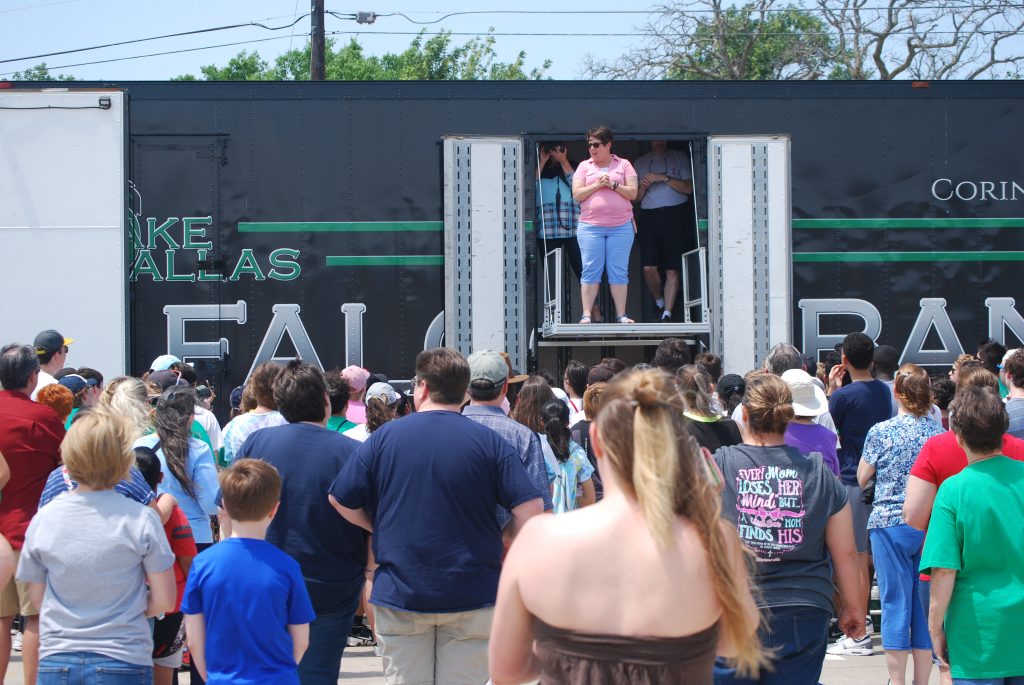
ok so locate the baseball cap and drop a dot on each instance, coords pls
(76, 383)
(382, 391)
(730, 384)
(356, 377)
(808, 398)
(236, 397)
(164, 362)
(488, 365)
(50, 341)
(166, 379)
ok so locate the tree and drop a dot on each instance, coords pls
(854, 39)
(39, 73)
(704, 39)
(937, 39)
(425, 59)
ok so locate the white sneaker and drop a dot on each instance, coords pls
(16, 641)
(848, 646)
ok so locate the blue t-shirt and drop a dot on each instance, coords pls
(431, 481)
(60, 481)
(855, 408)
(330, 550)
(249, 592)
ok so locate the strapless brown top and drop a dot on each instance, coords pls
(571, 658)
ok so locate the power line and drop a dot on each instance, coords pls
(35, 7)
(160, 54)
(169, 35)
(688, 10)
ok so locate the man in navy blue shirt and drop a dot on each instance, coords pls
(427, 486)
(855, 408)
(331, 551)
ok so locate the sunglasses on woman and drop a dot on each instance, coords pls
(594, 146)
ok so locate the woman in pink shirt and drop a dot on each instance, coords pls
(605, 186)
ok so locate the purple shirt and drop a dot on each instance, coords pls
(810, 437)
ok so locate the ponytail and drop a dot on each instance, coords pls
(555, 416)
(647, 443)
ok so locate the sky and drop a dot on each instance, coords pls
(34, 27)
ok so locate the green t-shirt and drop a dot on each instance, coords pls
(339, 424)
(976, 529)
(71, 417)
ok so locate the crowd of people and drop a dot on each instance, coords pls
(706, 527)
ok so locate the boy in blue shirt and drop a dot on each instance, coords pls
(246, 605)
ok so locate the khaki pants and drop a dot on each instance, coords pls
(424, 649)
(14, 596)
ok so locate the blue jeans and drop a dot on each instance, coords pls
(86, 668)
(797, 636)
(605, 248)
(1012, 680)
(897, 555)
(328, 635)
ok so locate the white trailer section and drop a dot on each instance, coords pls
(749, 219)
(484, 247)
(63, 245)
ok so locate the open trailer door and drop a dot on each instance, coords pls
(750, 246)
(484, 257)
(64, 254)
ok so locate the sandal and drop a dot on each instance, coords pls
(624, 319)
(585, 319)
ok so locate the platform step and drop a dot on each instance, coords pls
(623, 331)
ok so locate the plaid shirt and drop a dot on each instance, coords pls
(558, 214)
(525, 443)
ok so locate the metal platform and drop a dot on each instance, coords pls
(599, 334)
(556, 333)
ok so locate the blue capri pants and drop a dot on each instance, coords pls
(605, 248)
(897, 554)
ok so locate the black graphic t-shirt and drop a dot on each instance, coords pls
(781, 501)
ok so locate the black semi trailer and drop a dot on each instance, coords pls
(361, 222)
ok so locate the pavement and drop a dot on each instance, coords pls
(361, 667)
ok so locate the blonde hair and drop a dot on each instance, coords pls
(129, 397)
(97, 449)
(647, 444)
(769, 404)
(913, 389)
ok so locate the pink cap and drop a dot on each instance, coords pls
(356, 377)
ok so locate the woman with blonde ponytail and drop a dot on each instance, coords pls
(645, 587)
(792, 513)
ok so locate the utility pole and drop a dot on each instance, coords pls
(316, 42)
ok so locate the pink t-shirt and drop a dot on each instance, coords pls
(605, 207)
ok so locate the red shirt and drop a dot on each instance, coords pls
(179, 535)
(941, 457)
(30, 437)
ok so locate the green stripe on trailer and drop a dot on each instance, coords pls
(927, 223)
(898, 224)
(386, 260)
(339, 226)
(859, 257)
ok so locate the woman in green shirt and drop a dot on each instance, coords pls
(974, 551)
(339, 391)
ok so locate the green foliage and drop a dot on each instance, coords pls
(40, 73)
(426, 59)
(741, 43)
